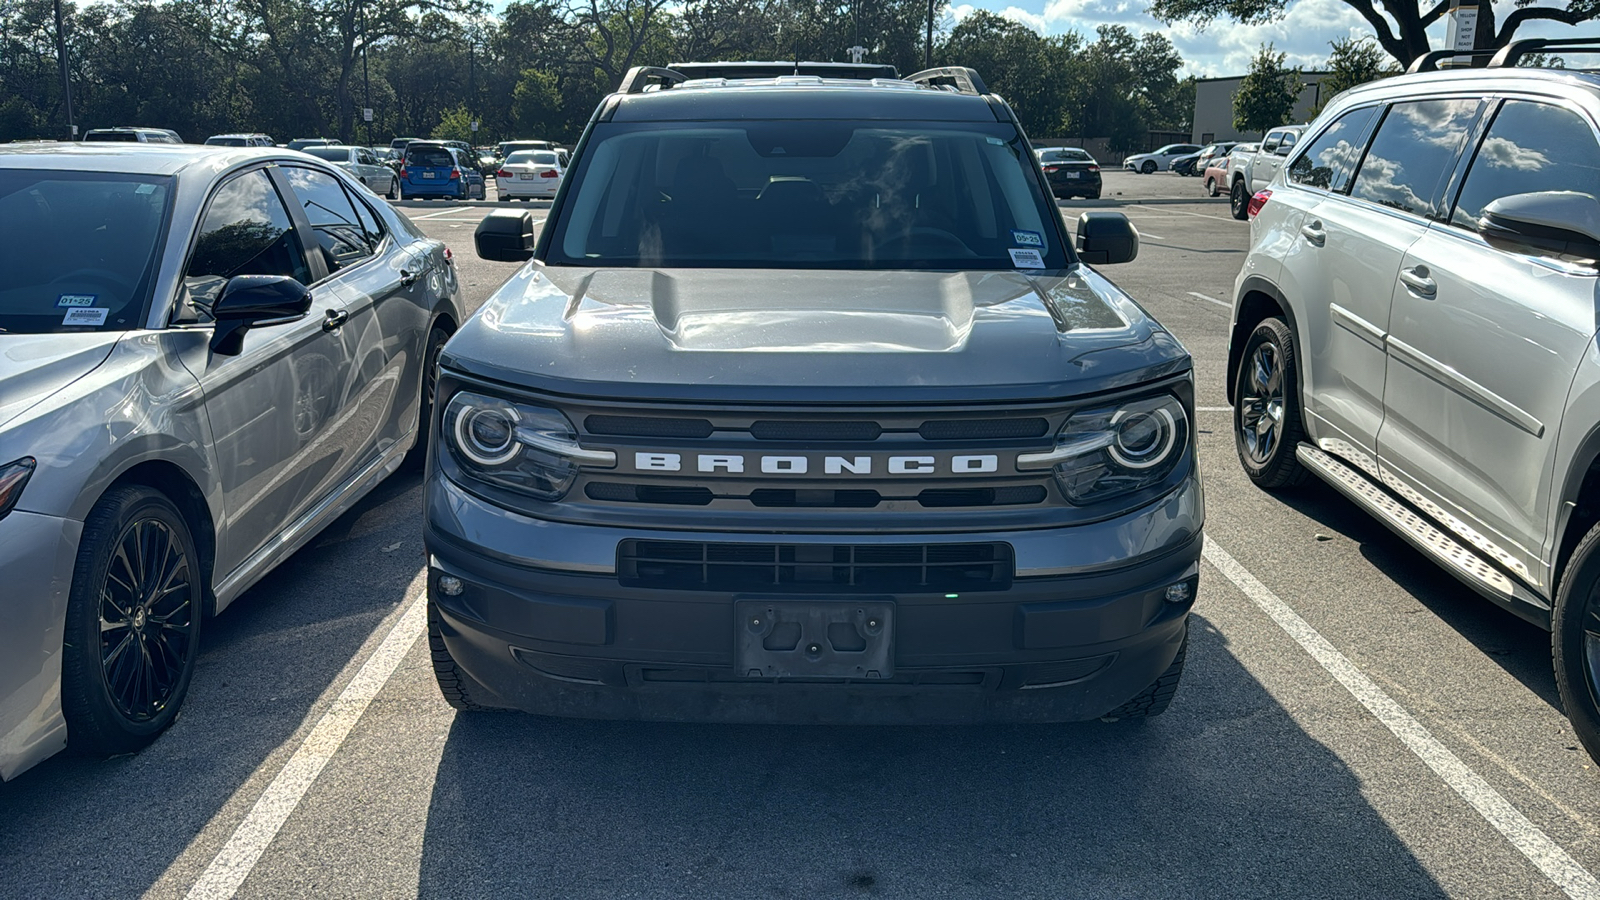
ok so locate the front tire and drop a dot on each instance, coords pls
(460, 690)
(1148, 167)
(1154, 700)
(1575, 641)
(1266, 409)
(133, 623)
(394, 190)
(1239, 201)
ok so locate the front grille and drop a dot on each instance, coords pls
(647, 426)
(813, 498)
(823, 568)
(821, 498)
(982, 429)
(648, 493)
(778, 430)
(1002, 496)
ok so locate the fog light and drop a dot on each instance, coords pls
(451, 586)
(1177, 593)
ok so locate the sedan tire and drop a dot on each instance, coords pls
(1575, 641)
(133, 623)
(394, 190)
(1148, 167)
(1266, 408)
(1239, 200)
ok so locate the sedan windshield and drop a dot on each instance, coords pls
(78, 249)
(532, 158)
(331, 154)
(787, 194)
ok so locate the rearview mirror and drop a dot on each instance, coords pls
(505, 235)
(1106, 238)
(1560, 224)
(251, 300)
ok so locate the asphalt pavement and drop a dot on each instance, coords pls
(1352, 723)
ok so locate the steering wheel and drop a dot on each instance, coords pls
(123, 286)
(937, 240)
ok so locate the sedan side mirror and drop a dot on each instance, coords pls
(1106, 238)
(251, 300)
(1560, 224)
(505, 235)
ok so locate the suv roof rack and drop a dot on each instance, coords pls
(961, 78)
(1504, 58)
(640, 78)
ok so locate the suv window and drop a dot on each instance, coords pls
(1329, 160)
(1530, 147)
(333, 218)
(429, 156)
(246, 231)
(786, 194)
(1413, 149)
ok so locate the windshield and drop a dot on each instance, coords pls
(786, 194)
(123, 136)
(533, 157)
(225, 141)
(432, 157)
(331, 154)
(78, 249)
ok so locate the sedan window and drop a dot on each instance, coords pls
(340, 235)
(246, 231)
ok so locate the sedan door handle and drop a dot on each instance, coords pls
(1314, 233)
(1418, 281)
(336, 319)
(408, 277)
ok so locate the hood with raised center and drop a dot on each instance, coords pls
(34, 366)
(841, 336)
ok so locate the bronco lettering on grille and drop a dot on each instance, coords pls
(738, 464)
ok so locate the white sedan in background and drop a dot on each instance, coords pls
(527, 174)
(362, 163)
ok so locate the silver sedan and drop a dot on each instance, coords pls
(363, 164)
(206, 355)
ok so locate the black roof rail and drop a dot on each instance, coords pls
(961, 78)
(862, 71)
(1512, 53)
(640, 77)
(1429, 62)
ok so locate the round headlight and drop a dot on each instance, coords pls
(1144, 437)
(487, 435)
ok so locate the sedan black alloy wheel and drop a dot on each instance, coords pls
(1261, 403)
(146, 619)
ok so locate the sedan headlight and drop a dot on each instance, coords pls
(1111, 451)
(527, 449)
(14, 477)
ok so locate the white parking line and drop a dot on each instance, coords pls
(435, 215)
(1222, 303)
(1562, 870)
(238, 857)
(1213, 409)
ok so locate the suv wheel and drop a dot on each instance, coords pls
(1239, 200)
(1148, 167)
(133, 623)
(1575, 641)
(1266, 409)
(460, 690)
(1154, 700)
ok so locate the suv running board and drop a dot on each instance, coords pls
(1459, 560)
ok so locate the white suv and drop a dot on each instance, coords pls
(1415, 324)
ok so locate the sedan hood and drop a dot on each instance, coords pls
(843, 336)
(34, 366)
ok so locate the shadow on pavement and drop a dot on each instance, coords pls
(1224, 796)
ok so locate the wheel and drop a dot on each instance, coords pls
(1239, 200)
(1154, 700)
(1211, 187)
(133, 623)
(394, 190)
(1094, 196)
(1575, 641)
(1266, 411)
(459, 688)
(430, 382)
(1148, 167)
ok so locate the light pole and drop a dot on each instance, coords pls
(366, 83)
(66, 84)
(927, 49)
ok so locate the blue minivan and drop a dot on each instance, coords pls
(431, 169)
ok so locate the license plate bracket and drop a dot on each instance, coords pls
(826, 639)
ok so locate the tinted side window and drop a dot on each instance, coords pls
(333, 219)
(1530, 147)
(1285, 142)
(370, 223)
(246, 232)
(1329, 160)
(1414, 147)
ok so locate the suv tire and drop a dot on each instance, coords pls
(460, 690)
(1575, 641)
(1239, 200)
(1154, 700)
(1266, 408)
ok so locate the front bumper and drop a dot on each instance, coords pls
(37, 555)
(544, 624)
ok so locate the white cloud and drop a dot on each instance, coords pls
(1022, 17)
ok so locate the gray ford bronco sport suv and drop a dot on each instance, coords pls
(1415, 324)
(807, 409)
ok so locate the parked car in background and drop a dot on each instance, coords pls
(506, 148)
(1149, 163)
(1195, 163)
(1216, 172)
(1253, 170)
(529, 174)
(1071, 172)
(303, 143)
(432, 170)
(398, 145)
(240, 140)
(361, 163)
(206, 355)
(130, 134)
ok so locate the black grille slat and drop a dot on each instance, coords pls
(1003, 496)
(829, 568)
(983, 429)
(648, 493)
(813, 499)
(785, 430)
(648, 426)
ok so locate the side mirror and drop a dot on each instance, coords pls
(1560, 224)
(1106, 238)
(1269, 147)
(505, 235)
(251, 300)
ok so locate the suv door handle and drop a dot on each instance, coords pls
(1314, 233)
(336, 318)
(1418, 281)
(408, 277)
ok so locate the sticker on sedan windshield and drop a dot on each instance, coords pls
(85, 317)
(1026, 258)
(77, 299)
(1027, 238)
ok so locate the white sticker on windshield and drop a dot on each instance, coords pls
(85, 317)
(77, 299)
(145, 189)
(1024, 258)
(1027, 238)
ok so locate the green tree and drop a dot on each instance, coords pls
(1267, 96)
(1354, 61)
(455, 125)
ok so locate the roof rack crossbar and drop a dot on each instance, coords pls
(1512, 53)
(1429, 62)
(761, 70)
(961, 78)
(641, 77)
